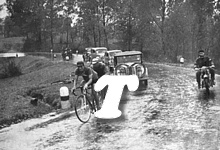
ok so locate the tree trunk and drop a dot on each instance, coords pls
(162, 26)
(94, 36)
(129, 27)
(51, 25)
(104, 26)
(99, 36)
(67, 34)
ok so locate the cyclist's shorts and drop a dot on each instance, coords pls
(93, 82)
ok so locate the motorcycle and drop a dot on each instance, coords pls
(205, 78)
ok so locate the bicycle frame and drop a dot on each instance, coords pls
(86, 96)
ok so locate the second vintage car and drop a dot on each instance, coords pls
(94, 52)
(130, 63)
(98, 52)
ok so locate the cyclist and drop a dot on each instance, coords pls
(204, 61)
(90, 77)
(101, 70)
(99, 67)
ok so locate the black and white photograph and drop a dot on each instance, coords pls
(110, 74)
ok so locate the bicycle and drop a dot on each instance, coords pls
(83, 106)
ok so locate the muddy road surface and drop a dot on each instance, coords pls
(172, 114)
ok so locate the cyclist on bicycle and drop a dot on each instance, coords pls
(101, 70)
(99, 67)
(90, 77)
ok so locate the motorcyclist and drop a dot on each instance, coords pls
(201, 61)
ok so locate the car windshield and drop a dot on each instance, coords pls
(113, 53)
(101, 50)
(128, 59)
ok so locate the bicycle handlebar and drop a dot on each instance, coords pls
(203, 67)
(80, 87)
(73, 92)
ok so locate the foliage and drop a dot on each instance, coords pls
(161, 29)
(9, 68)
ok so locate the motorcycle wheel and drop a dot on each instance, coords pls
(206, 83)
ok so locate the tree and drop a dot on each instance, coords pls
(203, 9)
(8, 27)
(125, 22)
(96, 20)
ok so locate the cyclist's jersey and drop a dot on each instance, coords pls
(205, 61)
(100, 68)
(85, 74)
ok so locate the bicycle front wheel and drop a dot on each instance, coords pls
(82, 109)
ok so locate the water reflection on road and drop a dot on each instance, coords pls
(212, 98)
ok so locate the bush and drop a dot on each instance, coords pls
(9, 69)
(7, 46)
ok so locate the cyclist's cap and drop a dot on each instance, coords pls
(201, 51)
(80, 63)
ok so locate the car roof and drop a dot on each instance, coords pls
(88, 48)
(128, 53)
(109, 51)
(95, 48)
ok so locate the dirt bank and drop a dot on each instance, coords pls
(37, 76)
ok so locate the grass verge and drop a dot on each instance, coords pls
(36, 78)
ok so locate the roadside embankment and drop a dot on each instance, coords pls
(37, 75)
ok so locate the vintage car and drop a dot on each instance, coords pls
(129, 63)
(109, 58)
(98, 52)
(94, 52)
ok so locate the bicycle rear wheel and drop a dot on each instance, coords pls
(82, 109)
(100, 99)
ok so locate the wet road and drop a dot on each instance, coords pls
(170, 115)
